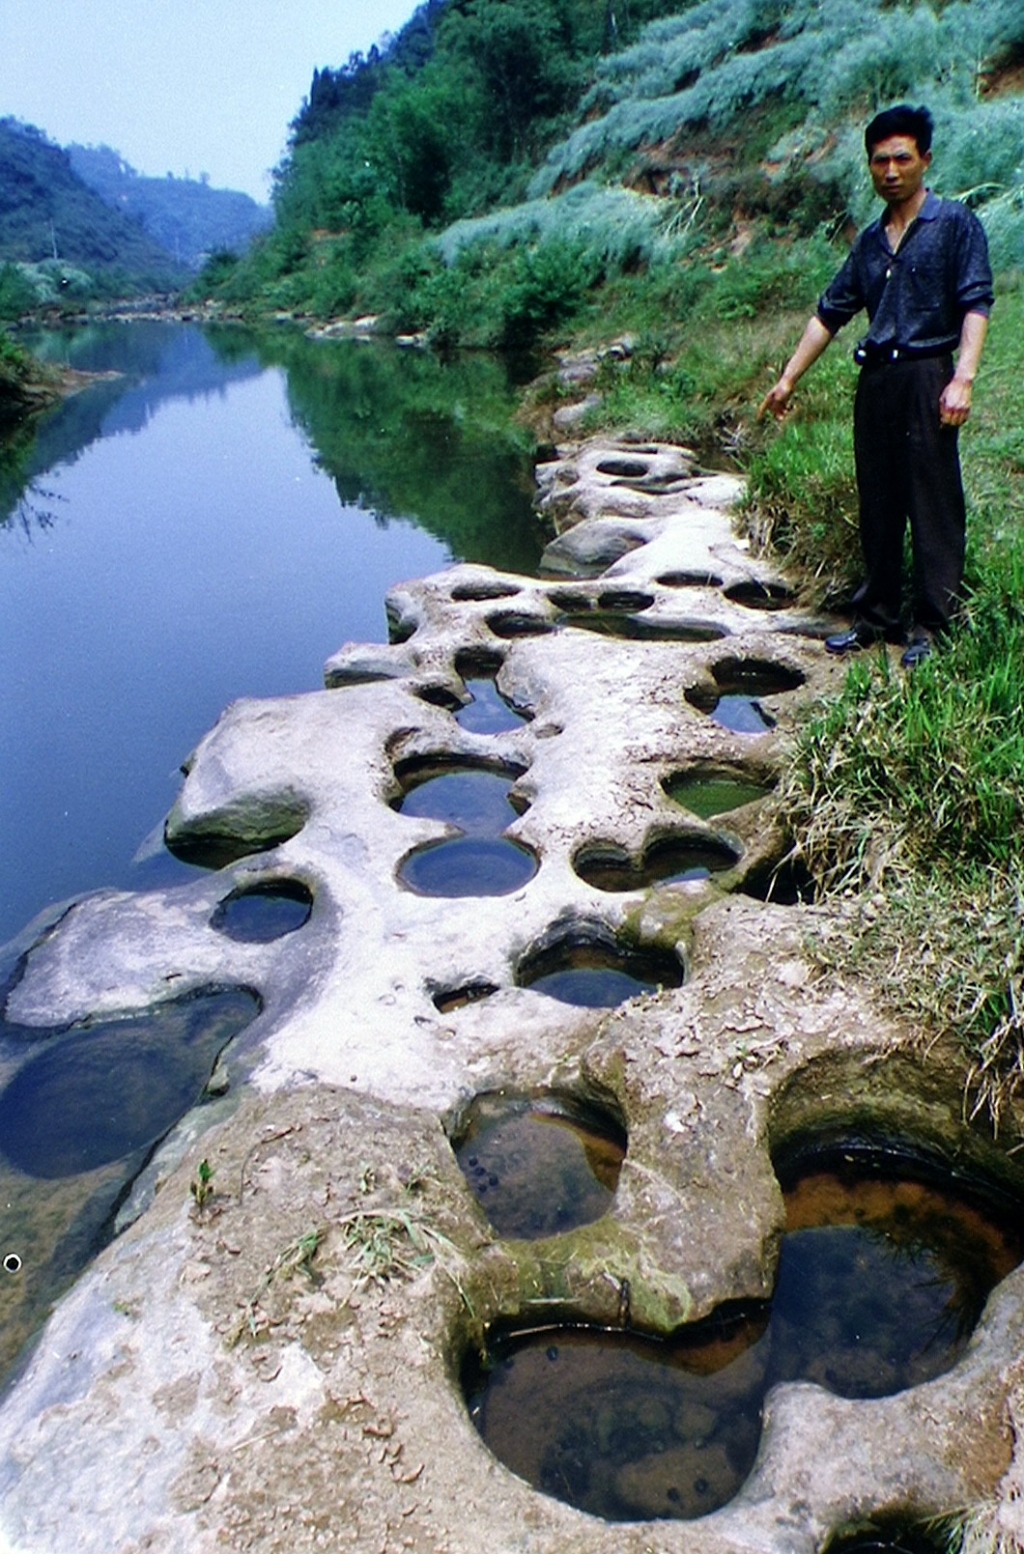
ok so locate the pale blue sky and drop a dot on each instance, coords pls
(180, 85)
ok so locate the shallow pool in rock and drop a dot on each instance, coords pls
(885, 1267)
(539, 1166)
(597, 974)
(488, 712)
(480, 861)
(474, 799)
(710, 794)
(79, 1114)
(884, 1272)
(261, 913)
(468, 866)
(671, 861)
(625, 1427)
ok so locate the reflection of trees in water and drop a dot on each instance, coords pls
(400, 433)
(412, 436)
(153, 362)
(36, 509)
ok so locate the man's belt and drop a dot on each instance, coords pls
(869, 355)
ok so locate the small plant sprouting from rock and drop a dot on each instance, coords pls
(296, 1257)
(201, 1185)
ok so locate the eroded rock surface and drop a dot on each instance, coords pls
(272, 1361)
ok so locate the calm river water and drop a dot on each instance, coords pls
(213, 523)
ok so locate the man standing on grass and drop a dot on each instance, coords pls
(922, 272)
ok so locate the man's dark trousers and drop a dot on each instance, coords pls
(908, 468)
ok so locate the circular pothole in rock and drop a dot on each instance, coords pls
(589, 969)
(519, 623)
(539, 1165)
(475, 798)
(447, 999)
(891, 1536)
(472, 796)
(755, 595)
(671, 861)
(570, 601)
(468, 866)
(689, 580)
(621, 1426)
(478, 592)
(641, 629)
(488, 712)
(786, 883)
(105, 1089)
(624, 469)
(755, 676)
(622, 601)
(214, 848)
(886, 1264)
(708, 792)
(739, 683)
(258, 914)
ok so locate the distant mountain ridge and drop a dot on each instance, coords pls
(47, 212)
(185, 216)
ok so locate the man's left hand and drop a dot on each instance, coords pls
(955, 402)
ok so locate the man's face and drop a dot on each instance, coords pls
(898, 168)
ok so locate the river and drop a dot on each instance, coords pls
(213, 522)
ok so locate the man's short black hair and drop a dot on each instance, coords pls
(901, 120)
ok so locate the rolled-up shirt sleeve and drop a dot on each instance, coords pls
(843, 298)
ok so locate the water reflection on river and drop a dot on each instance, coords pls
(212, 524)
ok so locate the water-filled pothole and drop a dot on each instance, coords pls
(885, 1266)
(480, 861)
(640, 628)
(481, 591)
(689, 580)
(624, 469)
(893, 1536)
(621, 601)
(754, 595)
(488, 712)
(103, 1089)
(588, 969)
(539, 1165)
(667, 862)
(215, 849)
(625, 1427)
(258, 914)
(77, 1122)
(755, 676)
(448, 999)
(519, 623)
(473, 797)
(739, 683)
(468, 866)
(708, 793)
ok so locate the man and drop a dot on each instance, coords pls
(922, 272)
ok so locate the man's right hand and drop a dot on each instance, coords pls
(777, 400)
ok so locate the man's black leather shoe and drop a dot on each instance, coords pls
(860, 635)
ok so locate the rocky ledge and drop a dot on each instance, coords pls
(267, 1354)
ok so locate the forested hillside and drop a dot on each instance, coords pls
(49, 217)
(503, 157)
(188, 218)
